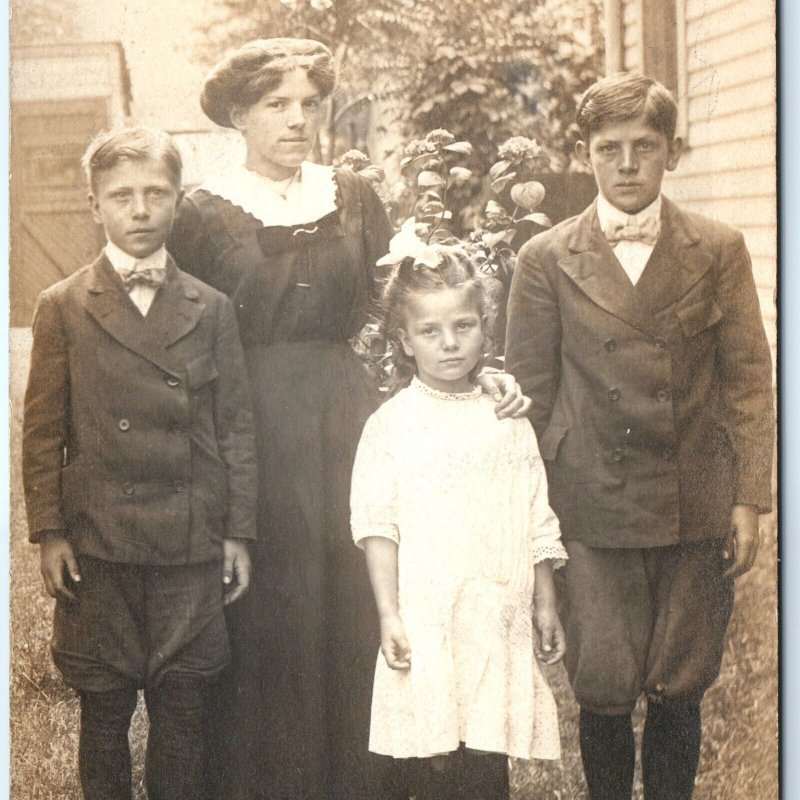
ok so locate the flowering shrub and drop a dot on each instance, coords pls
(418, 205)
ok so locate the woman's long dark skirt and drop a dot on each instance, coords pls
(290, 720)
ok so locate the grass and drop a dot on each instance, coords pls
(739, 758)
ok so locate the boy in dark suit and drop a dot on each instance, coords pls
(139, 473)
(635, 328)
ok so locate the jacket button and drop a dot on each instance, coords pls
(179, 487)
(610, 345)
(659, 687)
(173, 382)
(124, 425)
(618, 454)
(668, 454)
(613, 395)
(127, 488)
(177, 430)
(662, 395)
(661, 344)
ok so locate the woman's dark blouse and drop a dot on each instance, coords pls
(300, 283)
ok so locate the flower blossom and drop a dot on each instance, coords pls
(440, 136)
(354, 159)
(518, 148)
(418, 147)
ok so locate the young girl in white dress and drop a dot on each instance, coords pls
(450, 505)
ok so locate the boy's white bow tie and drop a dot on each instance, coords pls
(647, 232)
(149, 276)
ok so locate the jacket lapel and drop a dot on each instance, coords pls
(678, 261)
(174, 313)
(594, 269)
(176, 309)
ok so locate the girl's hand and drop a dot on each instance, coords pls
(550, 645)
(505, 391)
(394, 644)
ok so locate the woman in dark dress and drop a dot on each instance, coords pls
(293, 244)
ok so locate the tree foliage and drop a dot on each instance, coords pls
(492, 70)
(483, 69)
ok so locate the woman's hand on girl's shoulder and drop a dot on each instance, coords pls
(506, 392)
(394, 643)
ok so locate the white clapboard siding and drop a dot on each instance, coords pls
(728, 168)
(707, 19)
(696, 9)
(718, 50)
(755, 94)
(683, 186)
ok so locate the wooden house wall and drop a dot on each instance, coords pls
(727, 94)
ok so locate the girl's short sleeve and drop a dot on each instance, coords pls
(544, 525)
(373, 492)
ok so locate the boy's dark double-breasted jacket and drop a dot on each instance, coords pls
(138, 438)
(652, 403)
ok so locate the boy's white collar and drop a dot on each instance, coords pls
(121, 260)
(308, 199)
(608, 214)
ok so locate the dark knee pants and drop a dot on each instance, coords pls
(649, 620)
(644, 620)
(134, 626)
(131, 624)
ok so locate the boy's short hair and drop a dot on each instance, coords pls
(108, 148)
(624, 96)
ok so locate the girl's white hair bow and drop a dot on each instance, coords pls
(406, 244)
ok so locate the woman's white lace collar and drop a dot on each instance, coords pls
(308, 199)
(423, 388)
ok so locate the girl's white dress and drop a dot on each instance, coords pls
(465, 497)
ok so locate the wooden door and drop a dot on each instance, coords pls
(52, 232)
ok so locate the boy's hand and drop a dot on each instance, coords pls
(550, 645)
(742, 542)
(58, 565)
(394, 644)
(235, 569)
(505, 391)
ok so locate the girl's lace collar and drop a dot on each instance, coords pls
(308, 198)
(423, 388)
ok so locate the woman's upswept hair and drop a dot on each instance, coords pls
(456, 269)
(246, 75)
(624, 96)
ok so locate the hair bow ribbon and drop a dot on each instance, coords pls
(406, 244)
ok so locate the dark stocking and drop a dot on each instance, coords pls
(174, 761)
(670, 751)
(482, 776)
(104, 757)
(608, 753)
